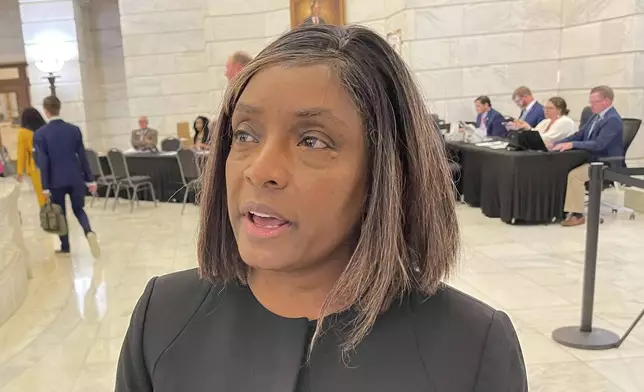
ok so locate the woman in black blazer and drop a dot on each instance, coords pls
(327, 226)
(202, 134)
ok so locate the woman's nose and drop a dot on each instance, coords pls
(270, 167)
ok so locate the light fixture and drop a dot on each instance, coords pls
(49, 51)
(50, 66)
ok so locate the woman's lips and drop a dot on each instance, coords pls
(264, 226)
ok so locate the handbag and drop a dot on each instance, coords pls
(52, 219)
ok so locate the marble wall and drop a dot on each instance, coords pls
(166, 62)
(232, 25)
(460, 49)
(11, 45)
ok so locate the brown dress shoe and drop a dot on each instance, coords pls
(574, 221)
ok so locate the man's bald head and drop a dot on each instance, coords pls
(143, 122)
(236, 63)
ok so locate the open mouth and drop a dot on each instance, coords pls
(264, 225)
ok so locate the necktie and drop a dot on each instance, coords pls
(522, 115)
(483, 124)
(592, 127)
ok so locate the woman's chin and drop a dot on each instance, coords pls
(264, 260)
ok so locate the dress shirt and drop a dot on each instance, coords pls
(483, 125)
(598, 118)
(525, 111)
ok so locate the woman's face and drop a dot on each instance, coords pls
(199, 124)
(551, 111)
(295, 175)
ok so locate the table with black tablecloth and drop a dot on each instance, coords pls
(525, 186)
(163, 168)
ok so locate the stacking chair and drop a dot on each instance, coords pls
(119, 167)
(631, 127)
(170, 144)
(190, 173)
(102, 179)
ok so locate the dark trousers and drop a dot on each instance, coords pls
(77, 196)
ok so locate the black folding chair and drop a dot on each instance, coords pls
(190, 173)
(170, 144)
(119, 167)
(101, 178)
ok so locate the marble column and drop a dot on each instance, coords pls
(49, 28)
(12, 48)
(14, 269)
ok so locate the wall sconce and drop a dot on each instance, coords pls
(51, 67)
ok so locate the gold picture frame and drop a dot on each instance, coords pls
(330, 12)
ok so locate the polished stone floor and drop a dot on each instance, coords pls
(67, 335)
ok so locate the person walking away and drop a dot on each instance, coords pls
(31, 121)
(64, 169)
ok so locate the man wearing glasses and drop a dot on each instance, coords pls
(602, 137)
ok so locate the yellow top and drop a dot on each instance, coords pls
(26, 163)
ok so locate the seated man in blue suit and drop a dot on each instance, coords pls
(488, 119)
(602, 137)
(531, 110)
(64, 170)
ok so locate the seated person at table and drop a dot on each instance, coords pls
(201, 138)
(557, 125)
(531, 109)
(489, 120)
(602, 137)
(144, 138)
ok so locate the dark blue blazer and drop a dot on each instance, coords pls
(60, 155)
(494, 123)
(607, 139)
(535, 115)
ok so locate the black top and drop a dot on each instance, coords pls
(190, 335)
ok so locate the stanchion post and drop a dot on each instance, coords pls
(585, 336)
(596, 175)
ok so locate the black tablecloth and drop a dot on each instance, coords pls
(528, 186)
(164, 170)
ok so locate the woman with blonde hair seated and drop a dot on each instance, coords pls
(30, 122)
(557, 125)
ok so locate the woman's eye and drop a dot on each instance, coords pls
(313, 142)
(243, 137)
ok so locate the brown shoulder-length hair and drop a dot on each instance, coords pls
(408, 239)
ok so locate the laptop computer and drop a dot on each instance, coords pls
(526, 140)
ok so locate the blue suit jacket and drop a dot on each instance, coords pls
(60, 155)
(535, 115)
(607, 139)
(494, 123)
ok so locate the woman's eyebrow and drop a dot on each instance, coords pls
(246, 108)
(313, 112)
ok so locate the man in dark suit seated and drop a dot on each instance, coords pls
(602, 137)
(315, 18)
(531, 110)
(64, 169)
(489, 120)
